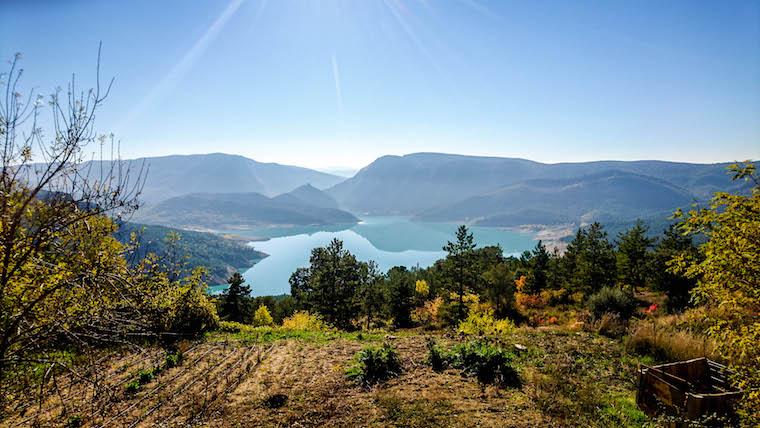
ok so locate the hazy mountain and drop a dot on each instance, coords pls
(308, 195)
(501, 191)
(238, 210)
(170, 176)
(605, 195)
(412, 183)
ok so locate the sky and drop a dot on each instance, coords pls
(338, 83)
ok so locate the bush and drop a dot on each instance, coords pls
(262, 318)
(612, 300)
(437, 357)
(374, 364)
(488, 363)
(173, 359)
(480, 323)
(304, 321)
(145, 376)
(610, 325)
(427, 315)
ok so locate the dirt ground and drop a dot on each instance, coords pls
(301, 383)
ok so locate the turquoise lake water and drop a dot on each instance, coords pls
(389, 241)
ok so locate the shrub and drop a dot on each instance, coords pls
(488, 363)
(530, 301)
(374, 364)
(612, 300)
(437, 357)
(145, 376)
(132, 387)
(610, 325)
(479, 323)
(173, 359)
(304, 321)
(262, 318)
(428, 315)
(234, 327)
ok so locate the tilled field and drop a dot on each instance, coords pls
(302, 383)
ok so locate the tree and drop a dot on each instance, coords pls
(675, 285)
(330, 285)
(728, 279)
(61, 274)
(501, 288)
(399, 283)
(634, 255)
(234, 298)
(538, 267)
(373, 294)
(458, 267)
(595, 261)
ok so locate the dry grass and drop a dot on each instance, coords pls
(570, 378)
(663, 339)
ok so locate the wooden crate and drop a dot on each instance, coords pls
(687, 390)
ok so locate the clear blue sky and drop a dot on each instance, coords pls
(324, 83)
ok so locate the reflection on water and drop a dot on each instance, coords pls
(389, 241)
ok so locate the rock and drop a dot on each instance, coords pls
(520, 347)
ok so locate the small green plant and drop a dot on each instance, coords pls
(75, 421)
(437, 357)
(374, 364)
(132, 387)
(613, 301)
(145, 376)
(172, 359)
(490, 364)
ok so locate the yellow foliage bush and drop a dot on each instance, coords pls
(428, 315)
(421, 287)
(483, 323)
(304, 321)
(262, 317)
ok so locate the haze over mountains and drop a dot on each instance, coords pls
(219, 190)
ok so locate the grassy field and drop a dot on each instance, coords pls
(268, 377)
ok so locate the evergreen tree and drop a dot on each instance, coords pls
(634, 255)
(458, 267)
(373, 294)
(501, 288)
(539, 268)
(675, 285)
(595, 263)
(399, 283)
(234, 298)
(330, 285)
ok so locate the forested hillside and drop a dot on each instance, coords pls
(221, 256)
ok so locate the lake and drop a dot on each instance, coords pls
(389, 241)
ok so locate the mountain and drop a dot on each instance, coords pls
(307, 195)
(412, 183)
(221, 256)
(605, 195)
(176, 175)
(239, 210)
(508, 191)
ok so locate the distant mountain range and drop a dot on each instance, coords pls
(217, 190)
(509, 192)
(304, 206)
(177, 175)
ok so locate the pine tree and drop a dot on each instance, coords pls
(235, 297)
(458, 267)
(675, 285)
(634, 255)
